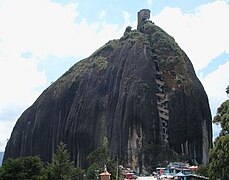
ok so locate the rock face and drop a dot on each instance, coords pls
(138, 95)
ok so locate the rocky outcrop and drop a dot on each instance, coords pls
(112, 98)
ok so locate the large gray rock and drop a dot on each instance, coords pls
(110, 98)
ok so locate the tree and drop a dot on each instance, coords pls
(30, 167)
(61, 167)
(97, 159)
(222, 118)
(202, 170)
(219, 165)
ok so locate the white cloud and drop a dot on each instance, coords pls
(6, 127)
(41, 28)
(19, 79)
(102, 14)
(149, 2)
(215, 85)
(126, 16)
(203, 35)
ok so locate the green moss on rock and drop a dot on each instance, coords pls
(100, 62)
(109, 46)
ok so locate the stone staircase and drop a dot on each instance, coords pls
(162, 103)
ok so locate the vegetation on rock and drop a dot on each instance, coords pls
(100, 62)
(109, 46)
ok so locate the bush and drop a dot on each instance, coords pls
(30, 167)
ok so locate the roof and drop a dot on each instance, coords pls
(105, 173)
(180, 174)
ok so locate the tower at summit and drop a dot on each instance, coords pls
(143, 15)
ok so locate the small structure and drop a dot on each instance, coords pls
(129, 175)
(160, 170)
(105, 175)
(180, 171)
(180, 176)
(143, 15)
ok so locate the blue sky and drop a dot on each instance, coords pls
(41, 39)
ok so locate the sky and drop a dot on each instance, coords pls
(41, 39)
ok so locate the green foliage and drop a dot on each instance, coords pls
(219, 165)
(202, 170)
(93, 171)
(110, 45)
(222, 118)
(97, 159)
(160, 41)
(147, 25)
(61, 167)
(100, 62)
(100, 155)
(76, 70)
(30, 167)
(132, 35)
